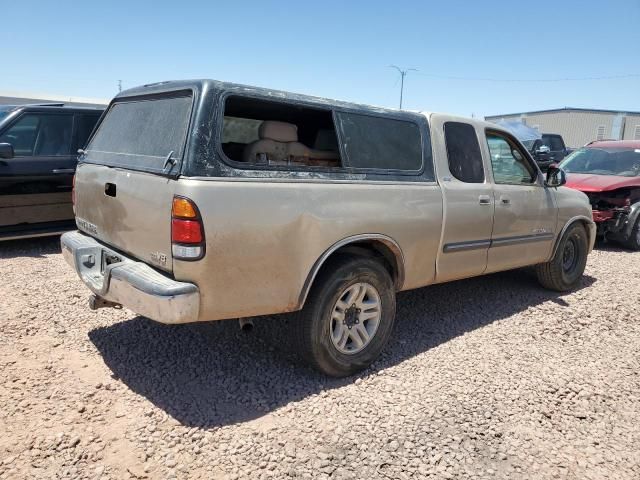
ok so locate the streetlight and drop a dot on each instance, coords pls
(403, 73)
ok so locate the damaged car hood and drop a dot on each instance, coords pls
(586, 182)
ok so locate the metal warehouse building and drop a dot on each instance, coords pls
(579, 126)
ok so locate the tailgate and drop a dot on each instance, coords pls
(131, 211)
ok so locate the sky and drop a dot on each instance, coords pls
(473, 58)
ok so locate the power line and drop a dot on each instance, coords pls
(533, 80)
(403, 73)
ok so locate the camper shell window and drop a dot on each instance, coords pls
(261, 133)
(380, 143)
(258, 133)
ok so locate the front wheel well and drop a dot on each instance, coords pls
(586, 224)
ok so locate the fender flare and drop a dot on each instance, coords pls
(591, 232)
(389, 242)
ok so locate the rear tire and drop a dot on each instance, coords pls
(564, 271)
(348, 317)
(633, 242)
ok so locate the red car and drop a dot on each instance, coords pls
(609, 173)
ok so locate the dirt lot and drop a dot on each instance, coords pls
(485, 378)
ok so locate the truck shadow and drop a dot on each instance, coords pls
(212, 374)
(30, 247)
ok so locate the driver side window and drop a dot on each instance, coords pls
(40, 135)
(508, 162)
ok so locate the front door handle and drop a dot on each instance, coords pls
(505, 200)
(61, 171)
(484, 200)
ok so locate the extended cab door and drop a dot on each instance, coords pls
(525, 212)
(468, 200)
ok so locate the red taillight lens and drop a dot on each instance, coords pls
(73, 194)
(185, 231)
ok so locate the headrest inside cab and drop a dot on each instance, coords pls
(278, 131)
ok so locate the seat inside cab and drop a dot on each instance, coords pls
(260, 132)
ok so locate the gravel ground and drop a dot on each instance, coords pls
(485, 378)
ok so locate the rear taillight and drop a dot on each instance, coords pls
(187, 232)
(73, 194)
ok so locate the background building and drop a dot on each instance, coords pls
(579, 126)
(21, 98)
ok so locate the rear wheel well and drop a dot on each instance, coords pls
(389, 256)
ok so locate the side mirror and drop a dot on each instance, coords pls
(6, 150)
(556, 177)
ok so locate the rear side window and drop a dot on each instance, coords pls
(142, 134)
(463, 152)
(380, 143)
(553, 142)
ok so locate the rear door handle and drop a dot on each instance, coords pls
(61, 171)
(484, 200)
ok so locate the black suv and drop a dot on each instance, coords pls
(38, 156)
(547, 150)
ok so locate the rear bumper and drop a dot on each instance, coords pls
(130, 283)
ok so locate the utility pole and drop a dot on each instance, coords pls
(403, 73)
(119, 85)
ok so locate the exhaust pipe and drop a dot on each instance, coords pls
(246, 324)
(96, 302)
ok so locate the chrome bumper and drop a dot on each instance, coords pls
(130, 283)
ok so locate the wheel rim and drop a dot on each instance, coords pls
(355, 318)
(570, 255)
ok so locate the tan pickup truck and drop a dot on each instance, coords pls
(203, 200)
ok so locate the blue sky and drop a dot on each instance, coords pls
(337, 49)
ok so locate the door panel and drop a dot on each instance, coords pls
(525, 212)
(523, 227)
(468, 201)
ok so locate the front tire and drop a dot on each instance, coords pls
(564, 271)
(633, 242)
(348, 317)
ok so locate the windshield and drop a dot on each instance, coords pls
(624, 162)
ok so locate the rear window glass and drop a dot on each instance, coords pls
(554, 143)
(141, 134)
(380, 143)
